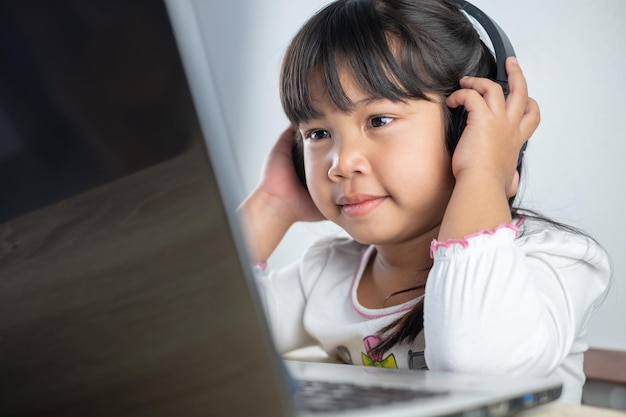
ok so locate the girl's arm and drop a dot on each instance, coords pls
(278, 201)
(519, 306)
(497, 302)
(484, 162)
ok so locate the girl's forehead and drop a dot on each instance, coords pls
(320, 93)
(355, 93)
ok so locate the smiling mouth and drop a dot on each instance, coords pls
(358, 207)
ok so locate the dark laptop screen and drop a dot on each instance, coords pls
(89, 92)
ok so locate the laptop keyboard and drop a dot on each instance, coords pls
(324, 396)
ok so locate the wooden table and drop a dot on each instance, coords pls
(567, 410)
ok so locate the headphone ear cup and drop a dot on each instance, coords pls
(458, 121)
(297, 155)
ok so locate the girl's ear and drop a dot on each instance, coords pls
(297, 154)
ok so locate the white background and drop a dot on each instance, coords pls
(573, 53)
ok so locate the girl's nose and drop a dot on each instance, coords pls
(348, 159)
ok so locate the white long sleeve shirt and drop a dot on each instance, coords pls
(494, 303)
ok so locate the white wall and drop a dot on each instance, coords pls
(573, 53)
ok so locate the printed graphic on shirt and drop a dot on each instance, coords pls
(417, 360)
(343, 353)
(373, 359)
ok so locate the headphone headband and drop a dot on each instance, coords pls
(502, 48)
(500, 42)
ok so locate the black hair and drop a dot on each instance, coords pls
(394, 49)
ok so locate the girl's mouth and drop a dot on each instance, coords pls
(359, 205)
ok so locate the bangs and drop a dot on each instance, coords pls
(351, 36)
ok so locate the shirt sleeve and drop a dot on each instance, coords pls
(284, 301)
(498, 303)
(285, 293)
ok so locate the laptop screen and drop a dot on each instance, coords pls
(90, 92)
(122, 288)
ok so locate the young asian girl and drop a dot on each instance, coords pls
(441, 270)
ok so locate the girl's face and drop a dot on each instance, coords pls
(380, 171)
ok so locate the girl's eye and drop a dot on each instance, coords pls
(317, 134)
(380, 121)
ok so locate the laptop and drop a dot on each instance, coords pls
(136, 299)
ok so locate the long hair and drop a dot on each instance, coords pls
(395, 50)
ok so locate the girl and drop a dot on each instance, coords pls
(440, 270)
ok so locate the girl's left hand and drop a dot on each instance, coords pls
(496, 127)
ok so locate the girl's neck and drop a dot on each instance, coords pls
(396, 274)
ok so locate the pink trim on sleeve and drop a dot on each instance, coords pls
(435, 244)
(262, 265)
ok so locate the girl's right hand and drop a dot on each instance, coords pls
(278, 202)
(281, 186)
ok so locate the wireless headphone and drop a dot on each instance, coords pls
(502, 49)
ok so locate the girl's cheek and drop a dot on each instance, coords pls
(315, 166)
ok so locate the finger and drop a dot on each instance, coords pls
(531, 119)
(488, 89)
(286, 140)
(470, 99)
(288, 135)
(513, 186)
(518, 88)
